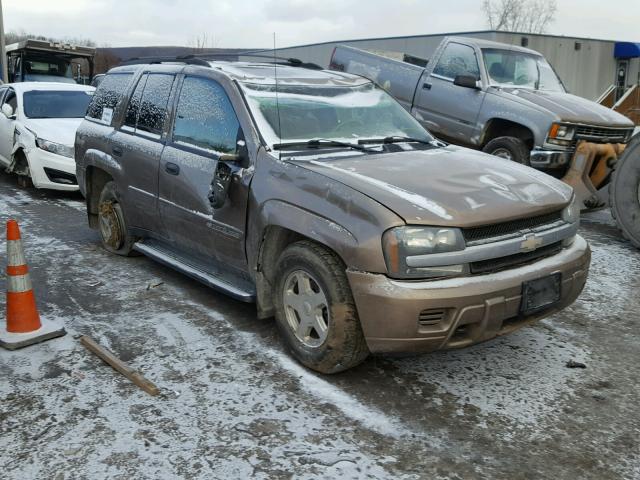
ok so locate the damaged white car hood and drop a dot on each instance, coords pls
(58, 130)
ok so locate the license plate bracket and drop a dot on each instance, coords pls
(540, 293)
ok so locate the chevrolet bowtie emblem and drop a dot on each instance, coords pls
(530, 243)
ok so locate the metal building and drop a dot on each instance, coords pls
(591, 68)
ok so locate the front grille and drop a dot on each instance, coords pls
(511, 261)
(512, 229)
(603, 134)
(431, 317)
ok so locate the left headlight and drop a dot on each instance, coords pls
(54, 147)
(402, 242)
(571, 213)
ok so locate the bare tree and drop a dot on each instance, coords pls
(526, 16)
(202, 42)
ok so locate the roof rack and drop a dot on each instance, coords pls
(201, 59)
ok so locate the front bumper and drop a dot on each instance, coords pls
(48, 169)
(405, 316)
(550, 158)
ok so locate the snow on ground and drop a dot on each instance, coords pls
(234, 404)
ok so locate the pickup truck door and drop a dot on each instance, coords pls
(205, 127)
(446, 109)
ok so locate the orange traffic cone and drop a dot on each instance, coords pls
(24, 325)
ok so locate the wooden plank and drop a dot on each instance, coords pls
(119, 365)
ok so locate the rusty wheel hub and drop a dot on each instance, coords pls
(110, 225)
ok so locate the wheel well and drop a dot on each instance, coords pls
(505, 128)
(20, 164)
(274, 241)
(96, 179)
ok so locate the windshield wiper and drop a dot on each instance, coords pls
(395, 139)
(321, 142)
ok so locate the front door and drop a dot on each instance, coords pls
(7, 128)
(139, 144)
(445, 108)
(205, 127)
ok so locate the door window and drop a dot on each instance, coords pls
(457, 59)
(133, 108)
(153, 104)
(107, 96)
(205, 117)
(12, 99)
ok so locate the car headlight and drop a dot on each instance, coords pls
(561, 134)
(54, 147)
(402, 242)
(571, 213)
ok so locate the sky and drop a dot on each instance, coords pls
(251, 23)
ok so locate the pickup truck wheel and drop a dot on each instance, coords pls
(624, 192)
(511, 148)
(111, 223)
(315, 310)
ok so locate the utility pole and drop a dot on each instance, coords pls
(3, 52)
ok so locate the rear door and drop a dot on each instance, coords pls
(138, 146)
(445, 108)
(205, 126)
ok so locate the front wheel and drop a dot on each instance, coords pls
(315, 310)
(510, 148)
(111, 223)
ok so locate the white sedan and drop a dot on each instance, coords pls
(38, 127)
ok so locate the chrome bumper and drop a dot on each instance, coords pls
(549, 158)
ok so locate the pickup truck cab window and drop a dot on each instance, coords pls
(346, 114)
(107, 96)
(523, 70)
(205, 117)
(457, 59)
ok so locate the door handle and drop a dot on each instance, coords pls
(172, 168)
(427, 86)
(117, 151)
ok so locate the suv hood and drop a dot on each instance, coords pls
(450, 186)
(59, 130)
(567, 107)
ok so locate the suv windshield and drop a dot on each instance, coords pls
(345, 114)
(60, 104)
(523, 70)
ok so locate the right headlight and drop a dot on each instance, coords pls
(561, 134)
(402, 242)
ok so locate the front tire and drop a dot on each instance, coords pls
(114, 233)
(315, 311)
(510, 148)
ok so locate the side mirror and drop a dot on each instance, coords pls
(466, 81)
(7, 110)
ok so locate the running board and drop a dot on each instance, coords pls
(244, 293)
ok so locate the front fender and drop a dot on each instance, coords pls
(285, 215)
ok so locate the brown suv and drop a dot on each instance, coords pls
(327, 204)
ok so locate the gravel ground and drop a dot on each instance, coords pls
(235, 405)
